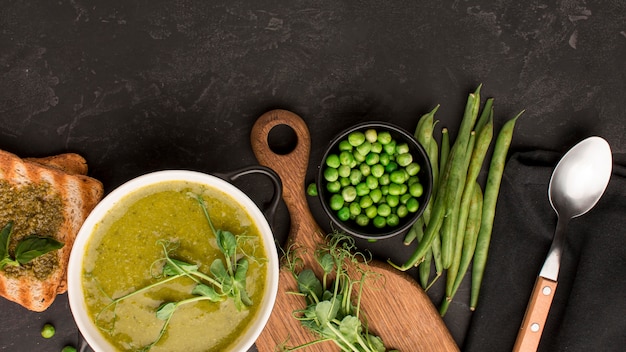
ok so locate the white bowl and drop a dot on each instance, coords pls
(90, 332)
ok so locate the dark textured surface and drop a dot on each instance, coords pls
(147, 85)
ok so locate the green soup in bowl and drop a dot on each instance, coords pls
(173, 261)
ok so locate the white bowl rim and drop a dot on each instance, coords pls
(75, 266)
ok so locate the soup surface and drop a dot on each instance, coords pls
(126, 254)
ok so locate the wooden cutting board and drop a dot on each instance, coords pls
(395, 306)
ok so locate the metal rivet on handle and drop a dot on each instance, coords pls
(534, 327)
(546, 290)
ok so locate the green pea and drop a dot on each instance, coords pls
(345, 146)
(398, 176)
(392, 220)
(376, 195)
(371, 135)
(356, 176)
(404, 188)
(353, 163)
(404, 159)
(331, 174)
(413, 169)
(344, 181)
(416, 190)
(371, 182)
(384, 137)
(69, 349)
(48, 330)
(355, 209)
(336, 202)
(412, 205)
(377, 170)
(392, 200)
(372, 158)
(333, 187)
(384, 190)
(371, 211)
(379, 222)
(343, 170)
(391, 166)
(404, 198)
(332, 160)
(364, 148)
(358, 157)
(377, 147)
(362, 220)
(402, 148)
(384, 159)
(384, 179)
(384, 209)
(343, 214)
(356, 138)
(365, 169)
(311, 190)
(395, 189)
(366, 201)
(346, 158)
(362, 189)
(348, 194)
(402, 211)
(390, 148)
(412, 180)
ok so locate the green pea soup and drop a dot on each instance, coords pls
(123, 255)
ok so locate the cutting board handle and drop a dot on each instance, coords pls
(291, 168)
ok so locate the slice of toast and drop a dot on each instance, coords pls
(40, 197)
(70, 163)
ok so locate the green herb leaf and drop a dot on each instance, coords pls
(206, 291)
(35, 246)
(166, 310)
(351, 328)
(327, 263)
(240, 282)
(309, 284)
(376, 343)
(227, 243)
(170, 269)
(326, 311)
(5, 236)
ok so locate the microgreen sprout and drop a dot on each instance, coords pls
(330, 311)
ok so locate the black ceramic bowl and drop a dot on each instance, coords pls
(371, 232)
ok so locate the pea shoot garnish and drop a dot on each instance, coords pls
(333, 305)
(226, 278)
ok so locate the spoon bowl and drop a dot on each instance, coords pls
(580, 178)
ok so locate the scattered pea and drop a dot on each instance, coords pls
(69, 349)
(311, 190)
(48, 330)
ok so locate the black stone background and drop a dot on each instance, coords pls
(138, 86)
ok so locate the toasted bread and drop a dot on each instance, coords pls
(40, 197)
(70, 163)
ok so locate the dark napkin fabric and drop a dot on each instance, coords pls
(589, 310)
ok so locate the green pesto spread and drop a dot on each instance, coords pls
(35, 209)
(123, 252)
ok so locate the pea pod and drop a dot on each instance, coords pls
(490, 198)
(469, 245)
(475, 165)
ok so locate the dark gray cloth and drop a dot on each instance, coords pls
(589, 310)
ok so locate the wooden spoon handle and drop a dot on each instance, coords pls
(536, 314)
(291, 168)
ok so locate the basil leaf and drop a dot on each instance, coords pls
(5, 236)
(35, 246)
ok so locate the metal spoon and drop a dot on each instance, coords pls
(577, 183)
